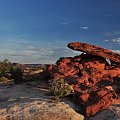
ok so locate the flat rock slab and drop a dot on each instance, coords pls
(94, 50)
(28, 102)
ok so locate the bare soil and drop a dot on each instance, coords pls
(29, 101)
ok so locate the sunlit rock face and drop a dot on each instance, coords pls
(91, 75)
(94, 50)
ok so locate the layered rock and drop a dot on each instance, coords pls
(91, 75)
(95, 50)
(95, 100)
(84, 69)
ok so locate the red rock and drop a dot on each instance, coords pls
(84, 97)
(90, 75)
(95, 50)
(49, 68)
(95, 100)
(101, 101)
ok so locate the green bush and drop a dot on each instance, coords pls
(59, 89)
(5, 66)
(17, 74)
(2, 79)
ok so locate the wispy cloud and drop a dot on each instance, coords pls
(109, 34)
(64, 23)
(34, 52)
(117, 33)
(84, 27)
(116, 40)
(106, 40)
(31, 47)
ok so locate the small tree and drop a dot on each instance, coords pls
(17, 74)
(6, 61)
(5, 66)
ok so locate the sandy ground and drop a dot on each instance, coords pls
(29, 102)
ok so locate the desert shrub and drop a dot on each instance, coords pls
(2, 79)
(59, 89)
(17, 74)
(5, 66)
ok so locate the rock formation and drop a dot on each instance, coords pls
(95, 50)
(92, 77)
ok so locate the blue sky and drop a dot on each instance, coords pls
(38, 31)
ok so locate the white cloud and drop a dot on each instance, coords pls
(64, 23)
(106, 40)
(117, 33)
(84, 27)
(31, 47)
(36, 53)
(109, 34)
(116, 40)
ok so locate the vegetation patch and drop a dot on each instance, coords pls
(59, 88)
(8, 72)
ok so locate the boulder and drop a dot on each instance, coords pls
(101, 100)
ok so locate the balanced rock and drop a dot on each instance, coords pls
(95, 50)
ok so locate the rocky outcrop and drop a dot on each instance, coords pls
(95, 100)
(91, 75)
(95, 50)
